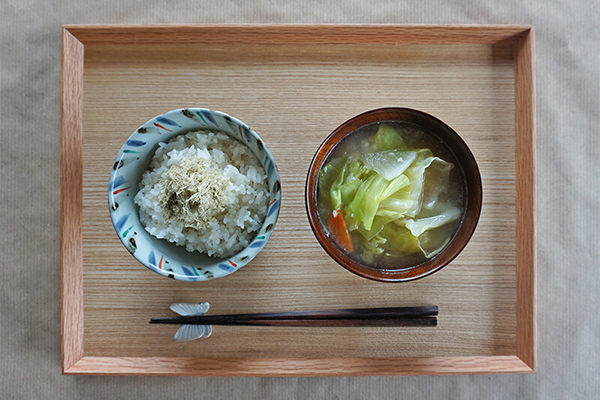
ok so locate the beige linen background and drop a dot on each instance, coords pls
(568, 145)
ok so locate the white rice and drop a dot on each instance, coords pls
(231, 230)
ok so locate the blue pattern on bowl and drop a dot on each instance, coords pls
(161, 256)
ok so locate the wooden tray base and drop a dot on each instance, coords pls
(293, 85)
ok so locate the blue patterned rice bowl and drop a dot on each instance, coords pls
(164, 139)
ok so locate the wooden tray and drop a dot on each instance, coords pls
(293, 84)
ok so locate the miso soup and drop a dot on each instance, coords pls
(391, 195)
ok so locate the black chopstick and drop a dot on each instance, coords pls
(393, 316)
(337, 322)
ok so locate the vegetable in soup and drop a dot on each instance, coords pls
(390, 195)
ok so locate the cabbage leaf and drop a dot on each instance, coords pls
(390, 196)
(390, 163)
(388, 138)
(444, 215)
(416, 177)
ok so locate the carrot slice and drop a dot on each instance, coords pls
(339, 231)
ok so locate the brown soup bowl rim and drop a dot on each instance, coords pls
(466, 162)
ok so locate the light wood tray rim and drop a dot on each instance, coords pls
(74, 40)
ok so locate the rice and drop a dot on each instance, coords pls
(242, 188)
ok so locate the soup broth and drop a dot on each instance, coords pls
(391, 195)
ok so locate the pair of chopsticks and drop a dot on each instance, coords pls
(357, 317)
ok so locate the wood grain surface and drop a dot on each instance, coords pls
(71, 200)
(525, 168)
(295, 34)
(293, 95)
(304, 367)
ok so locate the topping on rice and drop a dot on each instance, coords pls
(194, 192)
(205, 191)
